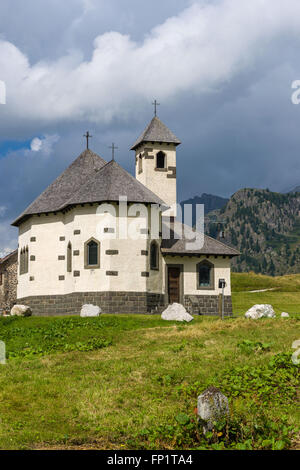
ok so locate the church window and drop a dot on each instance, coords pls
(69, 258)
(154, 255)
(24, 260)
(21, 262)
(160, 160)
(205, 273)
(140, 162)
(92, 254)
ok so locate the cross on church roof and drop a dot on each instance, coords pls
(87, 136)
(155, 104)
(113, 148)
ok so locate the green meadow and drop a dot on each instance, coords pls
(283, 293)
(132, 381)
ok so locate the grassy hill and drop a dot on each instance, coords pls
(265, 227)
(242, 282)
(283, 292)
(132, 381)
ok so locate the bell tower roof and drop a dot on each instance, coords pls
(156, 131)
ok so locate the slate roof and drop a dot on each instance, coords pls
(89, 179)
(54, 198)
(210, 247)
(111, 182)
(156, 131)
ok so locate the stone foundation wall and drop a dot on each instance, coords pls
(207, 304)
(121, 302)
(109, 302)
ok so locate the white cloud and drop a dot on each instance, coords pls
(88, 5)
(45, 144)
(2, 92)
(36, 144)
(199, 50)
(3, 210)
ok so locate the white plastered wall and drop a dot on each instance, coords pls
(221, 271)
(129, 262)
(46, 268)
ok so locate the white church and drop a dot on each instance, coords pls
(73, 250)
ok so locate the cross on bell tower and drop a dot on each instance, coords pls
(87, 136)
(155, 104)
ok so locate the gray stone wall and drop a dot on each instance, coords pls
(207, 304)
(109, 302)
(120, 302)
(8, 289)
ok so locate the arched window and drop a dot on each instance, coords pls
(154, 255)
(69, 257)
(22, 261)
(92, 254)
(160, 160)
(205, 275)
(26, 260)
(140, 163)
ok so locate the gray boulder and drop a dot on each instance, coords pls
(90, 310)
(2, 353)
(211, 407)
(260, 311)
(176, 312)
(284, 315)
(21, 311)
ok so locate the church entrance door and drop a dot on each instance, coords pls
(174, 284)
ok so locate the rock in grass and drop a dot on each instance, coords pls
(260, 311)
(90, 310)
(284, 315)
(176, 312)
(212, 407)
(21, 311)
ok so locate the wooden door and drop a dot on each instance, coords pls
(174, 284)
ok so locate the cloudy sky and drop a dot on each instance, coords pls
(221, 69)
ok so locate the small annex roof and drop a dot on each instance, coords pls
(7, 257)
(111, 182)
(54, 198)
(178, 246)
(156, 131)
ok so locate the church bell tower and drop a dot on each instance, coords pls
(155, 161)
